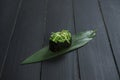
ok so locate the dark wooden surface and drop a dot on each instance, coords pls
(9, 10)
(25, 26)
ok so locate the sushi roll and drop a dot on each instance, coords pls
(60, 40)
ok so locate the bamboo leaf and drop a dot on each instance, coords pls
(78, 40)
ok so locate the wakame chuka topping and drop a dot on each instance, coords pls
(62, 36)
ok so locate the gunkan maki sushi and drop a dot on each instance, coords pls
(60, 40)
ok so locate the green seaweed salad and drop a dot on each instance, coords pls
(62, 36)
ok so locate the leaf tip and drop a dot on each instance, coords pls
(23, 62)
(93, 33)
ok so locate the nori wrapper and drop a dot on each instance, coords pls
(59, 45)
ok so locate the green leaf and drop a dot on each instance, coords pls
(78, 40)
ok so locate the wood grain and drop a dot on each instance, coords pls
(111, 15)
(8, 13)
(27, 38)
(95, 60)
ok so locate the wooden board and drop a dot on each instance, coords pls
(111, 13)
(27, 38)
(30, 24)
(59, 16)
(8, 11)
(95, 60)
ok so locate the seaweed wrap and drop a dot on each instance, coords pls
(60, 40)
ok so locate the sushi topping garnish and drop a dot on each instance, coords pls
(61, 37)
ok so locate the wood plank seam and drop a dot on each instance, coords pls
(45, 20)
(11, 35)
(108, 37)
(78, 65)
